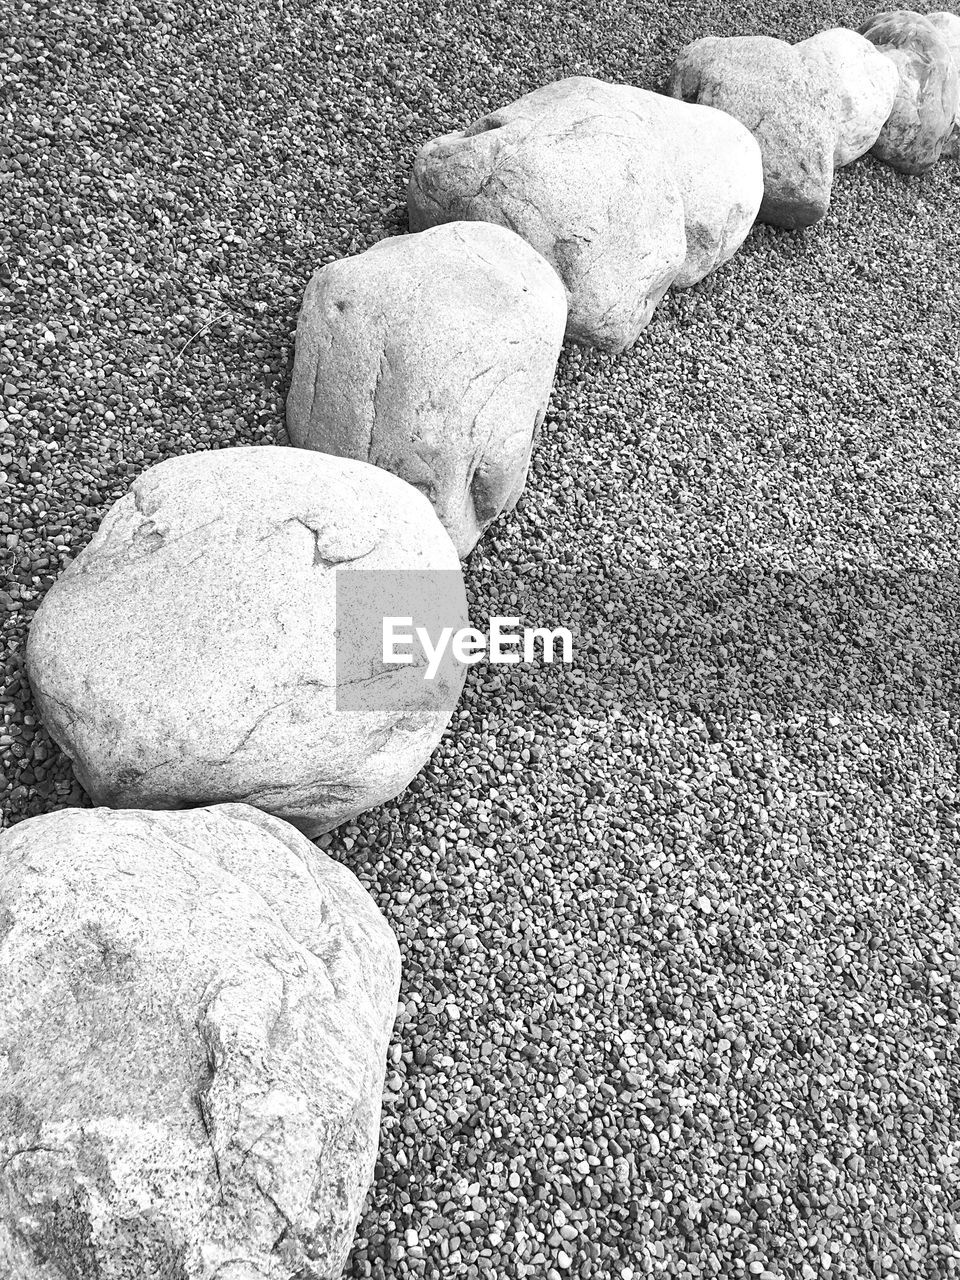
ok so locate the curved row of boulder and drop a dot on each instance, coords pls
(195, 1000)
(432, 354)
(627, 192)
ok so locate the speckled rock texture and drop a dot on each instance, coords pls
(925, 110)
(189, 654)
(195, 1009)
(866, 84)
(609, 184)
(432, 356)
(786, 101)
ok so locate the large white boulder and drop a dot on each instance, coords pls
(624, 193)
(195, 1010)
(866, 84)
(786, 101)
(567, 168)
(432, 356)
(190, 654)
(716, 163)
(925, 110)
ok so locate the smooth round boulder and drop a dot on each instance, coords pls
(788, 104)
(433, 356)
(716, 164)
(220, 638)
(947, 26)
(195, 1010)
(925, 109)
(567, 169)
(866, 84)
(622, 190)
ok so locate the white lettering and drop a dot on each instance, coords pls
(391, 639)
(434, 653)
(499, 637)
(469, 646)
(547, 640)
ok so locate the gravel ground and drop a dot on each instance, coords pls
(680, 924)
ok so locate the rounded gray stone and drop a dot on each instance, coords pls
(925, 109)
(788, 104)
(568, 169)
(717, 166)
(190, 654)
(866, 84)
(433, 356)
(948, 27)
(195, 1009)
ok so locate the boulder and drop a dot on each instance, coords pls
(788, 104)
(433, 356)
(718, 170)
(567, 168)
(622, 192)
(948, 28)
(190, 654)
(195, 1012)
(925, 109)
(866, 84)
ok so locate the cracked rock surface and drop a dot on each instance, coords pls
(189, 654)
(195, 1011)
(866, 84)
(787, 102)
(432, 356)
(947, 26)
(925, 107)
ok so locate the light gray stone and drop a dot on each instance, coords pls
(866, 83)
(195, 1010)
(568, 169)
(716, 164)
(788, 104)
(948, 28)
(925, 109)
(432, 356)
(189, 655)
(623, 191)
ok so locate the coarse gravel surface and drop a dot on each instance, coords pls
(679, 923)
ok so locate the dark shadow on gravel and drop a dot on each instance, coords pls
(862, 642)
